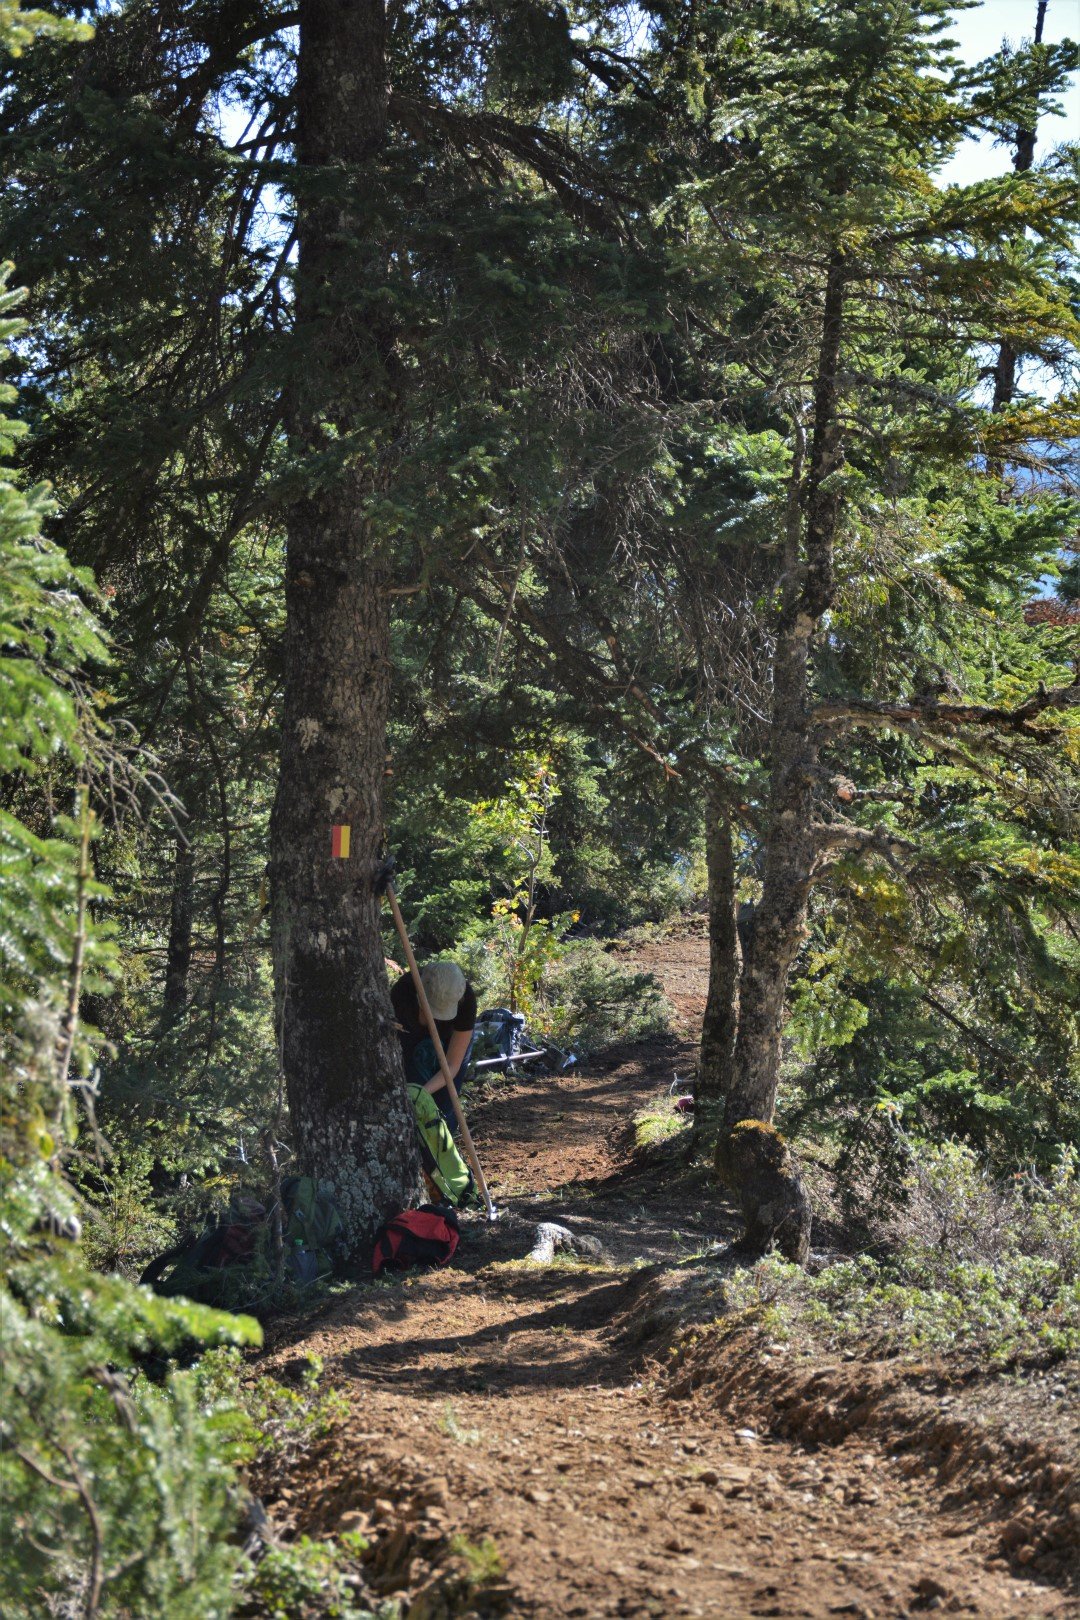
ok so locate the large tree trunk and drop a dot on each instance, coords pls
(722, 1005)
(349, 1110)
(751, 1156)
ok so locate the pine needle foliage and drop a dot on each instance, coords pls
(117, 1491)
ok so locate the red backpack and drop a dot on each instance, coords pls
(426, 1236)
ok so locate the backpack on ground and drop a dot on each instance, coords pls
(231, 1263)
(312, 1227)
(426, 1236)
(438, 1152)
(502, 1043)
(500, 1033)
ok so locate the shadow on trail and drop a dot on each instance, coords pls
(536, 1349)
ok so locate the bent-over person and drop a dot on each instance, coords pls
(452, 1000)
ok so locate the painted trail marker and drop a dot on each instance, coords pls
(339, 843)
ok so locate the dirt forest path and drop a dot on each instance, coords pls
(495, 1400)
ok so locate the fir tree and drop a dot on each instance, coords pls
(113, 1491)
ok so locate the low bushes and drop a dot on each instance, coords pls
(968, 1263)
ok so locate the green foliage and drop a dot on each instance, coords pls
(946, 988)
(978, 1266)
(185, 1109)
(583, 998)
(48, 630)
(282, 1420)
(822, 1015)
(482, 1559)
(927, 1016)
(21, 25)
(313, 1580)
(573, 992)
(829, 124)
(121, 1488)
(590, 1001)
(614, 854)
(47, 889)
(115, 1491)
(453, 1428)
(1019, 1306)
(525, 945)
(660, 1122)
(48, 634)
(125, 1224)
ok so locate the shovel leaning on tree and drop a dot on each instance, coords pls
(385, 886)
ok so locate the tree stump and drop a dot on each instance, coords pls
(755, 1161)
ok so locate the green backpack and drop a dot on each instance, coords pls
(231, 1264)
(313, 1221)
(439, 1154)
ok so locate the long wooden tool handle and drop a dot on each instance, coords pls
(429, 1019)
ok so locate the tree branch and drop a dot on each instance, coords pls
(492, 138)
(929, 714)
(843, 835)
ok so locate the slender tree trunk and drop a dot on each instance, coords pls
(1023, 158)
(780, 917)
(178, 949)
(757, 1162)
(349, 1111)
(790, 846)
(722, 1005)
(752, 1158)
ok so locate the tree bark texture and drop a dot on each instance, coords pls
(791, 853)
(349, 1111)
(780, 917)
(761, 1167)
(751, 1157)
(720, 1023)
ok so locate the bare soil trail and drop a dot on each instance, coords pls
(500, 1400)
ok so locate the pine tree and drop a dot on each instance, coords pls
(94, 1466)
(354, 345)
(870, 311)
